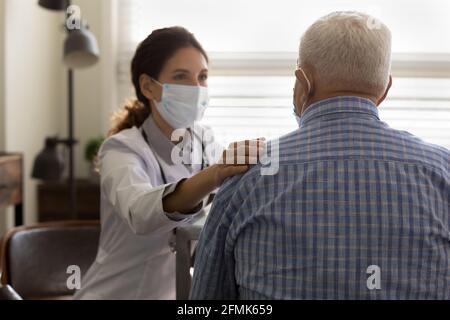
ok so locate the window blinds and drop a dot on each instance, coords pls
(251, 83)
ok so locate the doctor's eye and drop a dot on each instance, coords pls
(203, 77)
(180, 76)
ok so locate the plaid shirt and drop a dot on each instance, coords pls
(350, 193)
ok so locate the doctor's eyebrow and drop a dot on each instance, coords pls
(187, 71)
(181, 71)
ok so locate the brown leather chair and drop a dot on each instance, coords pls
(8, 293)
(35, 259)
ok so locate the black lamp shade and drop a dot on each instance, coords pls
(80, 49)
(57, 5)
(49, 164)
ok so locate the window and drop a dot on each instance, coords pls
(253, 49)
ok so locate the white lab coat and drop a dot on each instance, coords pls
(134, 259)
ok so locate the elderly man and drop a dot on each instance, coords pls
(357, 209)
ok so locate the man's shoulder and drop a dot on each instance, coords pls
(248, 181)
(379, 142)
(237, 184)
(419, 142)
(421, 151)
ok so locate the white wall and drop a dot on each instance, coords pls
(2, 99)
(33, 80)
(35, 85)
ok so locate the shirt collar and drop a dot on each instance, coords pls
(163, 146)
(157, 140)
(340, 106)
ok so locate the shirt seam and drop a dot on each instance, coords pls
(410, 162)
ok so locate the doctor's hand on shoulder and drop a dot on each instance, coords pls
(236, 159)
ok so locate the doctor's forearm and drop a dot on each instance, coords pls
(191, 192)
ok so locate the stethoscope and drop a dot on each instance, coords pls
(172, 241)
(163, 175)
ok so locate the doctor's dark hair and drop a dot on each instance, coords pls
(150, 57)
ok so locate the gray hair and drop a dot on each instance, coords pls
(348, 50)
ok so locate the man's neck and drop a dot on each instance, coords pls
(332, 94)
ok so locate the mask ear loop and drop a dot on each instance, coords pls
(309, 86)
(160, 84)
(154, 80)
(307, 80)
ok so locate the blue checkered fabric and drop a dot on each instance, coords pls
(350, 193)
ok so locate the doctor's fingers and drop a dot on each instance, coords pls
(227, 171)
(239, 160)
(232, 158)
(243, 153)
(252, 143)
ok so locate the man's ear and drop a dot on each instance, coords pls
(386, 92)
(147, 87)
(305, 84)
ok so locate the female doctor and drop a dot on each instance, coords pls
(145, 191)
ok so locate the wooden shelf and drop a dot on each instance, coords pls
(53, 201)
(11, 183)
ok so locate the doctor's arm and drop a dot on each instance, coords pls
(190, 192)
(147, 208)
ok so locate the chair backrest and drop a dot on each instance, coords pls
(36, 259)
(8, 293)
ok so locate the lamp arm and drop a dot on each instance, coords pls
(67, 142)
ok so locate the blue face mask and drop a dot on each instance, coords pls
(181, 106)
(297, 117)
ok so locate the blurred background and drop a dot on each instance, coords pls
(253, 49)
